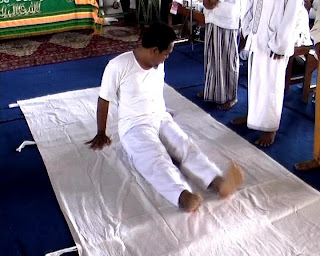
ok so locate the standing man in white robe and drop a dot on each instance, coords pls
(135, 81)
(221, 57)
(268, 27)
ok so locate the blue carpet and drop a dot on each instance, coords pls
(31, 222)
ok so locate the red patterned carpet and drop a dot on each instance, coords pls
(39, 50)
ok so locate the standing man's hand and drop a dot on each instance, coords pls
(276, 56)
(99, 142)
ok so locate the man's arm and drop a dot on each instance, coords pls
(101, 139)
(283, 37)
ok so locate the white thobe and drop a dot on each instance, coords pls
(269, 26)
(151, 148)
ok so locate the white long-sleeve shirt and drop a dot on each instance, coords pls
(226, 14)
(270, 25)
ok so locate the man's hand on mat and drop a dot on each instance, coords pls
(99, 142)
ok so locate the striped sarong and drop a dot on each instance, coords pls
(148, 11)
(221, 64)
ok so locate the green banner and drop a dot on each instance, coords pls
(19, 17)
(22, 9)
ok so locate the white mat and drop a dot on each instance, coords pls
(111, 210)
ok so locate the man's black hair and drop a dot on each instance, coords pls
(158, 35)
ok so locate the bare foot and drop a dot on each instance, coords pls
(307, 166)
(190, 202)
(239, 121)
(228, 184)
(266, 139)
(227, 105)
(200, 95)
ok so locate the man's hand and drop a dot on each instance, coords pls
(101, 139)
(210, 4)
(276, 56)
(99, 142)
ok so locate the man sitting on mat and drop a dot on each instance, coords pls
(135, 80)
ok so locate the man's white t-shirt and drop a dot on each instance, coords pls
(137, 92)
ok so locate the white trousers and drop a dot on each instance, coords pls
(152, 148)
(266, 82)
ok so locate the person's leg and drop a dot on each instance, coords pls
(208, 55)
(265, 96)
(230, 64)
(307, 165)
(195, 164)
(242, 120)
(152, 161)
(315, 162)
(221, 67)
